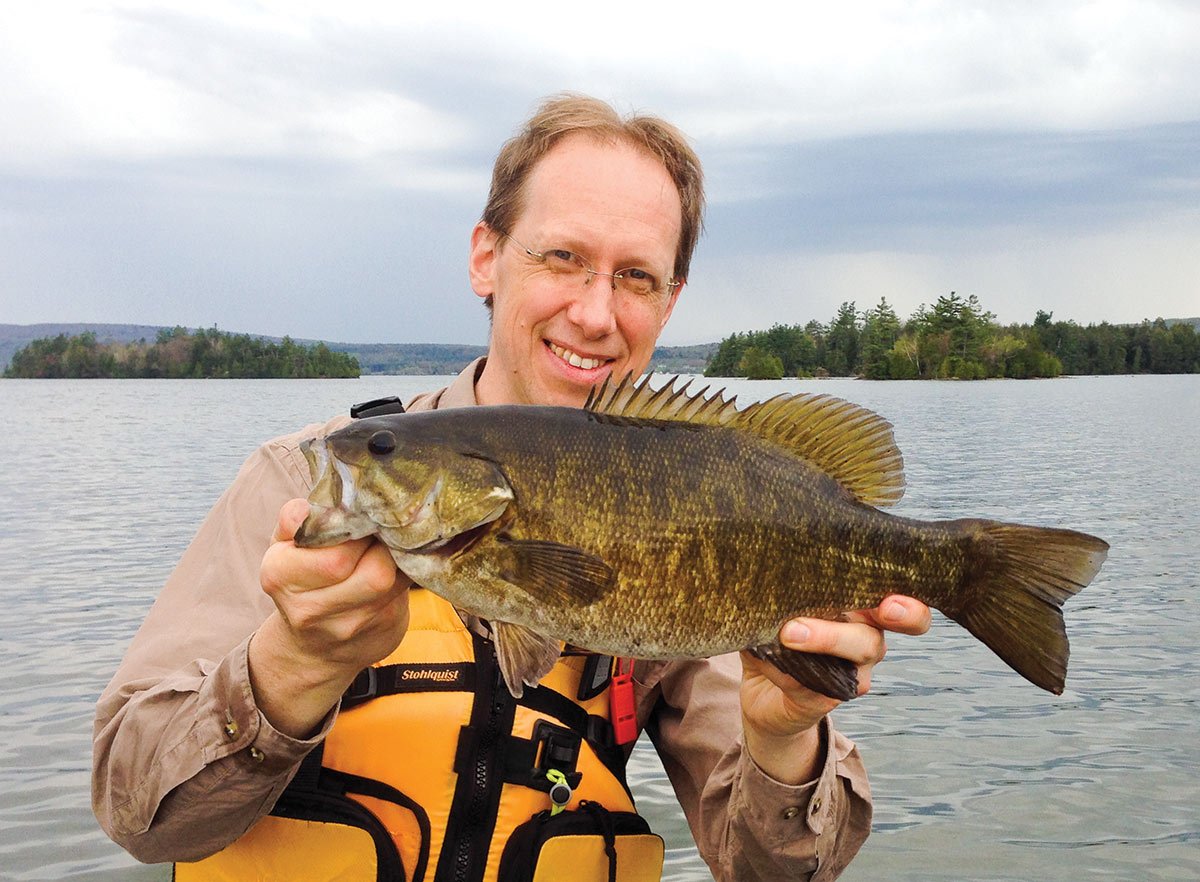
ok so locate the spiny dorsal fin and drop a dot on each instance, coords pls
(638, 400)
(851, 444)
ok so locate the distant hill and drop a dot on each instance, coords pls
(374, 358)
(683, 359)
(14, 337)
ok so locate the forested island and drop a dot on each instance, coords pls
(955, 339)
(178, 353)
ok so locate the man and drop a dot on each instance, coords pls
(253, 657)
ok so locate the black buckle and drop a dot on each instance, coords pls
(556, 748)
(597, 673)
(364, 688)
(600, 731)
(377, 407)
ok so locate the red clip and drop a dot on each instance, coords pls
(621, 706)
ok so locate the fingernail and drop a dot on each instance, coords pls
(894, 612)
(795, 632)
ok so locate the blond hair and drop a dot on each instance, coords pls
(568, 113)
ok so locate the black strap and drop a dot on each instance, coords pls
(377, 407)
(395, 679)
(605, 822)
(316, 793)
(473, 810)
(348, 783)
(597, 730)
(462, 677)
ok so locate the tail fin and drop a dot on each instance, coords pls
(1013, 602)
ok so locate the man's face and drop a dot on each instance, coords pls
(616, 208)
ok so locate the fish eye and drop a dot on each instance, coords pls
(382, 443)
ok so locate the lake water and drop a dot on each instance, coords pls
(977, 774)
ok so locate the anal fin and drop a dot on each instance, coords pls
(524, 655)
(826, 674)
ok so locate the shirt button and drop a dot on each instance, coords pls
(257, 755)
(790, 812)
(814, 806)
(231, 726)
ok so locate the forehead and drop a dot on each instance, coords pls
(603, 189)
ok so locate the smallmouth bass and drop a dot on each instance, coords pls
(666, 524)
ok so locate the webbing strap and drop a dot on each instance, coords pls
(520, 753)
(396, 679)
(596, 730)
(461, 677)
(308, 775)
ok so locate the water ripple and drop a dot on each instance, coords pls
(976, 775)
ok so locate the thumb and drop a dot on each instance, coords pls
(291, 516)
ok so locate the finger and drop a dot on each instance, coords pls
(288, 568)
(859, 642)
(291, 516)
(904, 615)
(376, 573)
(313, 597)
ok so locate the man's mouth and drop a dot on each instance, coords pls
(574, 358)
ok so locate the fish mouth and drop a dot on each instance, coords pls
(316, 453)
(332, 525)
(334, 518)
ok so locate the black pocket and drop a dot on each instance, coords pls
(591, 844)
(336, 809)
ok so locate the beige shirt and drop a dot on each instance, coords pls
(184, 762)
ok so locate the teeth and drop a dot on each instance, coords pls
(574, 358)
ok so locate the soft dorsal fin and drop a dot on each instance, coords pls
(851, 444)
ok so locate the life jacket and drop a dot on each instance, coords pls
(433, 772)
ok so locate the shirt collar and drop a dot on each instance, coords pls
(461, 391)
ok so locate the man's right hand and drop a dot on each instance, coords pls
(337, 610)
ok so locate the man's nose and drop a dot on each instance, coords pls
(594, 308)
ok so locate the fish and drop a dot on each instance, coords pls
(667, 523)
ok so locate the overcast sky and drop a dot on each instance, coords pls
(283, 168)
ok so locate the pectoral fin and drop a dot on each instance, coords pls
(827, 674)
(556, 574)
(525, 656)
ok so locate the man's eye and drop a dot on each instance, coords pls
(638, 275)
(561, 258)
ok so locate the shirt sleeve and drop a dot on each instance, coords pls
(183, 760)
(748, 826)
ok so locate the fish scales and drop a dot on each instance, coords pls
(664, 536)
(724, 535)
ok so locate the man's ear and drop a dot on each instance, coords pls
(482, 262)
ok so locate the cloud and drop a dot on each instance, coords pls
(255, 164)
(277, 78)
(1146, 268)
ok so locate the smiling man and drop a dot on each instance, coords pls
(597, 281)
(309, 714)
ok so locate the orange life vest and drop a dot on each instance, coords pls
(432, 766)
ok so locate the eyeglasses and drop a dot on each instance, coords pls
(570, 266)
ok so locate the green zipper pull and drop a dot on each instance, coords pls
(560, 793)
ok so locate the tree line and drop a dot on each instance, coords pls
(955, 338)
(178, 353)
